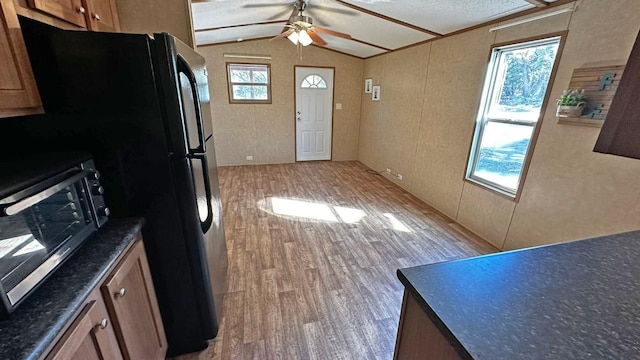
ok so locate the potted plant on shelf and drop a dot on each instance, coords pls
(571, 103)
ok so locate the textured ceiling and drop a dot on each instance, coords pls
(376, 26)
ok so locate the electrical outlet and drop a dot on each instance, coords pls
(249, 158)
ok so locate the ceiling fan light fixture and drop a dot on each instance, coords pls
(304, 38)
(294, 37)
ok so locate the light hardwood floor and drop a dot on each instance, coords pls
(313, 253)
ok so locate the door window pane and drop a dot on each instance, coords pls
(314, 81)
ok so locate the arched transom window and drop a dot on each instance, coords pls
(314, 81)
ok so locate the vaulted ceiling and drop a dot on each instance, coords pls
(376, 26)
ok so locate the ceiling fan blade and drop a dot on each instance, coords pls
(333, 33)
(282, 34)
(337, 11)
(316, 38)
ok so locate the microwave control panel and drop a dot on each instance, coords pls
(96, 192)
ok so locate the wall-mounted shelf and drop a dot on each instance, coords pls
(600, 85)
(582, 121)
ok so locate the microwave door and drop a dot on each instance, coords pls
(41, 226)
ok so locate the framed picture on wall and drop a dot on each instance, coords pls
(375, 96)
(368, 84)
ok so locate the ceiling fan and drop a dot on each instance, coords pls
(300, 29)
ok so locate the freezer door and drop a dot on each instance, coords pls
(197, 73)
(191, 109)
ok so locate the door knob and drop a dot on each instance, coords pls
(122, 292)
(81, 10)
(103, 323)
(96, 17)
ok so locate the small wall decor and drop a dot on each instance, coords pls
(368, 84)
(598, 86)
(375, 95)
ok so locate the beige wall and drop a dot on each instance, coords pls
(425, 134)
(267, 131)
(149, 16)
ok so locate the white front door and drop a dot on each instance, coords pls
(314, 113)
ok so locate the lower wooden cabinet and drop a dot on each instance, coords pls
(418, 337)
(91, 335)
(120, 319)
(131, 299)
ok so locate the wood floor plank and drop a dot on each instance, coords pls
(313, 252)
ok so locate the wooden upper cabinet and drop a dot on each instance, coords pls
(95, 15)
(131, 300)
(72, 11)
(89, 337)
(620, 132)
(18, 89)
(102, 15)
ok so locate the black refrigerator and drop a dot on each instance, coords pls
(140, 104)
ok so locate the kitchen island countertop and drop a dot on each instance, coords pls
(573, 300)
(36, 323)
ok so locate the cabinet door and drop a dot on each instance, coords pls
(17, 85)
(89, 337)
(132, 302)
(102, 15)
(70, 10)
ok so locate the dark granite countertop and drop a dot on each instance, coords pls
(575, 300)
(36, 322)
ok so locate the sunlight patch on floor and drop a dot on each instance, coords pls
(323, 212)
(349, 215)
(303, 209)
(396, 224)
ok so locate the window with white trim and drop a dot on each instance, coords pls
(514, 95)
(249, 83)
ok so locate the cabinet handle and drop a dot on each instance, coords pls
(122, 292)
(81, 9)
(103, 323)
(96, 17)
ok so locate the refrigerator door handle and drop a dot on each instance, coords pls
(206, 224)
(183, 67)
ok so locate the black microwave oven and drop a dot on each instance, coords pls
(49, 205)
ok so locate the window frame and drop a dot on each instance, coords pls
(481, 118)
(230, 84)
